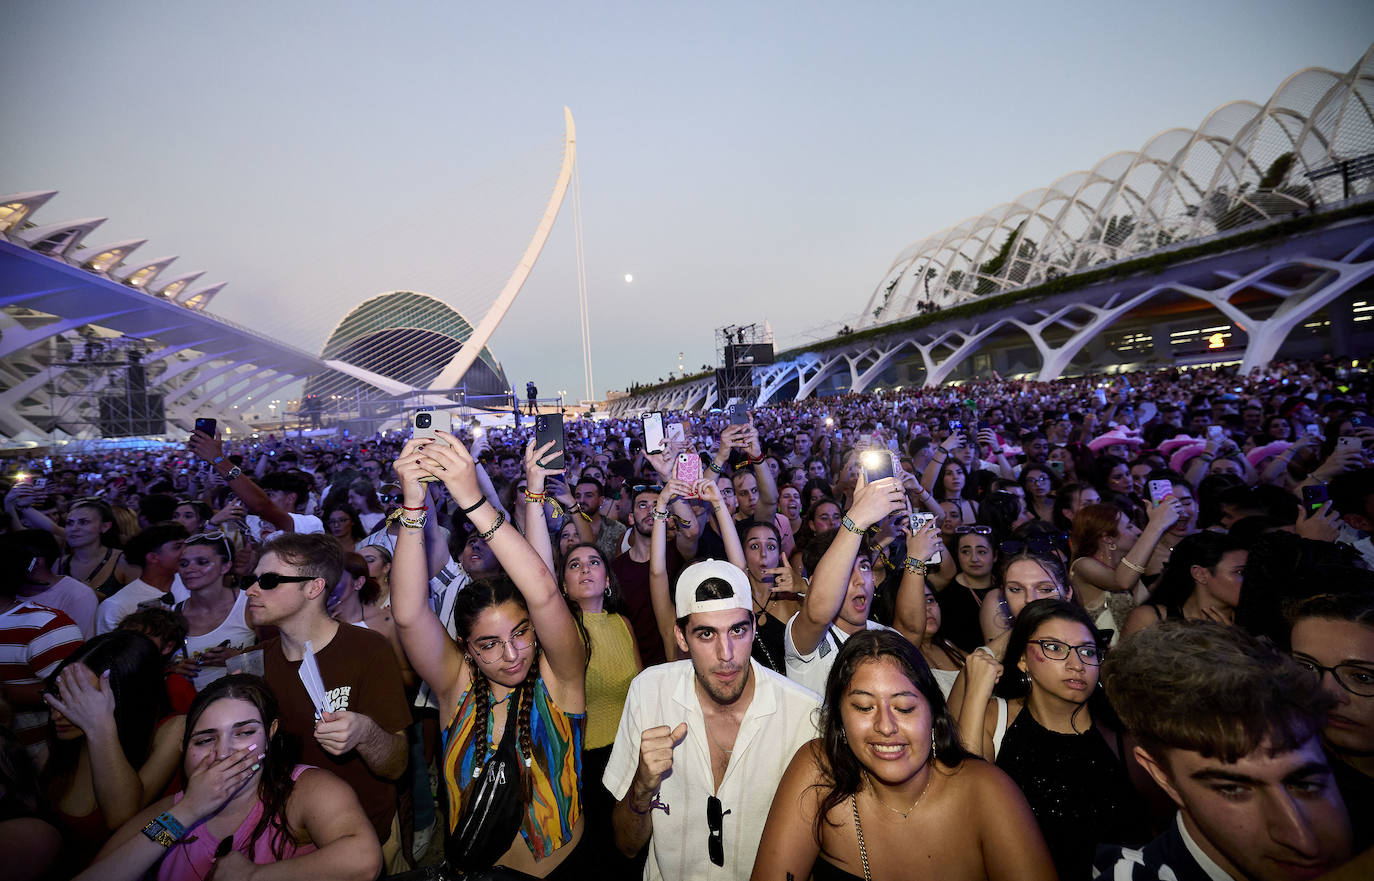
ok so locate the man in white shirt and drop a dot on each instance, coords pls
(158, 550)
(840, 596)
(288, 492)
(703, 742)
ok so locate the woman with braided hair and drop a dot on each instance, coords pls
(511, 689)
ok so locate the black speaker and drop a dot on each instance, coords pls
(749, 355)
(131, 415)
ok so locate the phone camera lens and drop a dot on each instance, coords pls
(423, 420)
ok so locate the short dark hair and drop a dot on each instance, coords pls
(585, 480)
(1212, 689)
(315, 554)
(144, 543)
(287, 482)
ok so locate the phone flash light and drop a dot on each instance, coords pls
(871, 458)
(829, 421)
(477, 431)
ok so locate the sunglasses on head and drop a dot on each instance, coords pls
(271, 580)
(646, 487)
(973, 530)
(386, 498)
(213, 537)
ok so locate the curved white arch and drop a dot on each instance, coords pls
(449, 376)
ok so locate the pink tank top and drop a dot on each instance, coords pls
(193, 860)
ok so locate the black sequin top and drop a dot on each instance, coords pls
(1078, 790)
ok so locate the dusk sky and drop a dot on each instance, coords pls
(744, 161)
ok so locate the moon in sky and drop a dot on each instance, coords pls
(629, 278)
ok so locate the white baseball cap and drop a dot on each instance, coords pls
(692, 578)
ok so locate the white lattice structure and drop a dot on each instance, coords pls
(1246, 163)
(1307, 150)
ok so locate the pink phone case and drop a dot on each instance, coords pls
(688, 468)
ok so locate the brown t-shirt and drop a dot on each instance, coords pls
(360, 674)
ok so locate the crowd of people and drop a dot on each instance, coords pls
(1116, 627)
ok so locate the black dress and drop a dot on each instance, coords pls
(1078, 790)
(959, 611)
(768, 643)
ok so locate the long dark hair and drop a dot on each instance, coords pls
(141, 701)
(477, 597)
(1014, 684)
(1203, 549)
(841, 773)
(278, 760)
(613, 601)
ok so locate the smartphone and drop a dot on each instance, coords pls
(42, 482)
(1313, 497)
(876, 464)
(549, 427)
(956, 425)
(1359, 420)
(654, 441)
(1160, 490)
(676, 433)
(423, 424)
(739, 414)
(206, 426)
(919, 519)
(1214, 432)
(1057, 466)
(687, 468)
(1346, 442)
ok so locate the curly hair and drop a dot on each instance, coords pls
(1212, 689)
(841, 771)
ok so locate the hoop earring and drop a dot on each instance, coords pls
(1025, 680)
(608, 591)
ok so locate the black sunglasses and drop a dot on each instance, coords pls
(646, 487)
(715, 842)
(270, 580)
(973, 530)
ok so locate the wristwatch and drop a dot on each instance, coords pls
(233, 473)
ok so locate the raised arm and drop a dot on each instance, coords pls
(254, 499)
(709, 492)
(830, 581)
(564, 652)
(432, 653)
(536, 526)
(767, 505)
(909, 618)
(660, 590)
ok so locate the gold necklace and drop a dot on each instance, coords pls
(906, 813)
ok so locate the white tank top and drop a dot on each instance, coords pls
(234, 628)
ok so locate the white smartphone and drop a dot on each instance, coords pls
(1345, 442)
(654, 441)
(424, 423)
(919, 519)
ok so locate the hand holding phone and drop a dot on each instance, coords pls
(687, 468)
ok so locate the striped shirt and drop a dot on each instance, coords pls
(34, 639)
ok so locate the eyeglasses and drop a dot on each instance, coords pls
(491, 649)
(1358, 679)
(715, 841)
(973, 530)
(207, 537)
(1055, 650)
(271, 580)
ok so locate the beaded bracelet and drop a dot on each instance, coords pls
(413, 523)
(712, 466)
(500, 521)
